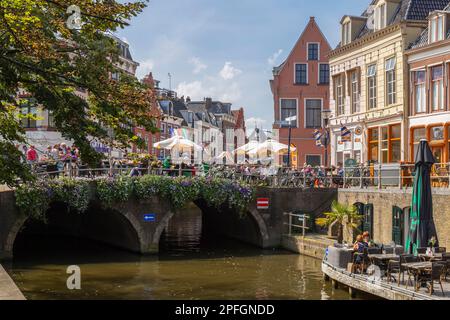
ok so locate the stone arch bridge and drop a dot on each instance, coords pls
(138, 225)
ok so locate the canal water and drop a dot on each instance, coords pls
(189, 267)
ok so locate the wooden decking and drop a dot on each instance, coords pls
(8, 289)
(382, 289)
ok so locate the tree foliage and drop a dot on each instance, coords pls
(341, 214)
(42, 56)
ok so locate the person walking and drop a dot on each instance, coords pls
(32, 157)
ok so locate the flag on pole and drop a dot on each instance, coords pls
(346, 134)
(318, 137)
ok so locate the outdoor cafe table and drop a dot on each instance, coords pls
(383, 259)
(417, 268)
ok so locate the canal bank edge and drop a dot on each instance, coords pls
(8, 289)
(312, 245)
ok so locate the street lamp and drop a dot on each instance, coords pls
(326, 115)
(290, 120)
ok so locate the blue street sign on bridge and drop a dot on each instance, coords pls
(150, 217)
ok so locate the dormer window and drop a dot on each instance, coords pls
(436, 27)
(346, 33)
(380, 17)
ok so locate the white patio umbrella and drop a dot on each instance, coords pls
(271, 146)
(177, 142)
(225, 154)
(246, 148)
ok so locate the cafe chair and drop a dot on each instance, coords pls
(407, 258)
(436, 274)
(360, 264)
(374, 251)
(422, 250)
(446, 259)
(393, 266)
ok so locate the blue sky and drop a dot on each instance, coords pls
(225, 49)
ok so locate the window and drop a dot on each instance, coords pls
(339, 94)
(313, 113)
(385, 143)
(390, 81)
(372, 86)
(420, 91)
(373, 144)
(380, 17)
(313, 51)
(324, 73)
(115, 76)
(354, 94)
(437, 87)
(417, 135)
(288, 110)
(30, 112)
(313, 160)
(51, 120)
(346, 35)
(301, 74)
(395, 137)
(436, 27)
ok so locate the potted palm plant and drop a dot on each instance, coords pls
(340, 214)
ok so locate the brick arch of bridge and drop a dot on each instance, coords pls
(131, 215)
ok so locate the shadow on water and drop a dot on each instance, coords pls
(191, 265)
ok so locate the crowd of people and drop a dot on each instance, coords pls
(57, 157)
(64, 158)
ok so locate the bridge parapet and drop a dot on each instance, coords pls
(145, 212)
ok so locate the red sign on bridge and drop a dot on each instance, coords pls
(262, 203)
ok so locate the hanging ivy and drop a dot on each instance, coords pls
(35, 198)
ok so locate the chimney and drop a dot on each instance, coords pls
(208, 103)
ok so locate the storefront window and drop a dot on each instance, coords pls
(437, 133)
(395, 142)
(373, 144)
(384, 145)
(418, 134)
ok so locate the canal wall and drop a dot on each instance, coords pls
(8, 289)
(313, 246)
(383, 202)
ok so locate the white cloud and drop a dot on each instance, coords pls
(199, 66)
(145, 67)
(216, 88)
(229, 72)
(255, 122)
(194, 89)
(273, 59)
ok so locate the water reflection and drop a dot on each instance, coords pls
(189, 267)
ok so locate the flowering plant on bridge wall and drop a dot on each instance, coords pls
(111, 190)
(35, 198)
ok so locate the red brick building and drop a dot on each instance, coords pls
(150, 138)
(300, 88)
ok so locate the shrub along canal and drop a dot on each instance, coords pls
(191, 265)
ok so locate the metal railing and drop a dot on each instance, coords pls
(362, 176)
(297, 221)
